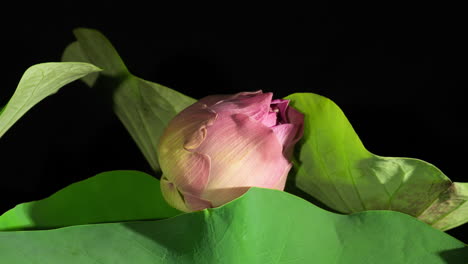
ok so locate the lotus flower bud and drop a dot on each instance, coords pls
(216, 149)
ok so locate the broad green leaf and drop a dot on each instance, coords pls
(263, 226)
(74, 53)
(144, 107)
(98, 49)
(333, 166)
(107, 197)
(38, 82)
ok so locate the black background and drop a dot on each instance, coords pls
(397, 71)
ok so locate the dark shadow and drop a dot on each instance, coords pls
(455, 256)
(459, 232)
(104, 88)
(293, 189)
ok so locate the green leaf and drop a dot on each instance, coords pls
(74, 53)
(145, 108)
(263, 226)
(107, 197)
(334, 167)
(38, 82)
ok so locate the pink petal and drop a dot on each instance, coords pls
(238, 146)
(297, 119)
(281, 183)
(181, 200)
(187, 177)
(221, 196)
(173, 195)
(195, 130)
(255, 105)
(195, 203)
(214, 99)
(281, 105)
(192, 175)
(270, 119)
(285, 133)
